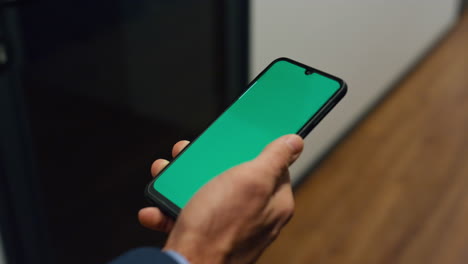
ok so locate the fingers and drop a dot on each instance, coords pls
(178, 147)
(270, 167)
(281, 153)
(152, 218)
(160, 164)
(283, 200)
(157, 166)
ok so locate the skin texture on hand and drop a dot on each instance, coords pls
(236, 215)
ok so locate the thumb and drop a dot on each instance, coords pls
(281, 153)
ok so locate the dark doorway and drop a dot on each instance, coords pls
(104, 88)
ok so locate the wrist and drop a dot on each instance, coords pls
(197, 251)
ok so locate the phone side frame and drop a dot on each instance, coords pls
(169, 208)
(159, 200)
(326, 108)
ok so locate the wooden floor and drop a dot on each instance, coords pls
(396, 189)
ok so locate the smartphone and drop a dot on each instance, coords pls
(287, 97)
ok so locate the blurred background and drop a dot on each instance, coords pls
(91, 92)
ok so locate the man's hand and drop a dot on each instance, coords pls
(235, 216)
(152, 217)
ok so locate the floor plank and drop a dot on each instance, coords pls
(396, 189)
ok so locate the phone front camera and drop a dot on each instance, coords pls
(308, 72)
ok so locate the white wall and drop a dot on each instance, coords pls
(368, 43)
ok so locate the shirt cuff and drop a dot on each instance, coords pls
(177, 257)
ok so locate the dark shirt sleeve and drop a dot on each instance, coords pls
(144, 256)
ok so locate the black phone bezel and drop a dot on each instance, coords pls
(173, 210)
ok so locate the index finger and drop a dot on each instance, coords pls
(178, 147)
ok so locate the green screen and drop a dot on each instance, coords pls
(280, 102)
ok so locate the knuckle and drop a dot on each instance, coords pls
(274, 233)
(254, 187)
(277, 167)
(287, 211)
(282, 166)
(272, 169)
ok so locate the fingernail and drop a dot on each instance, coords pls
(294, 142)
